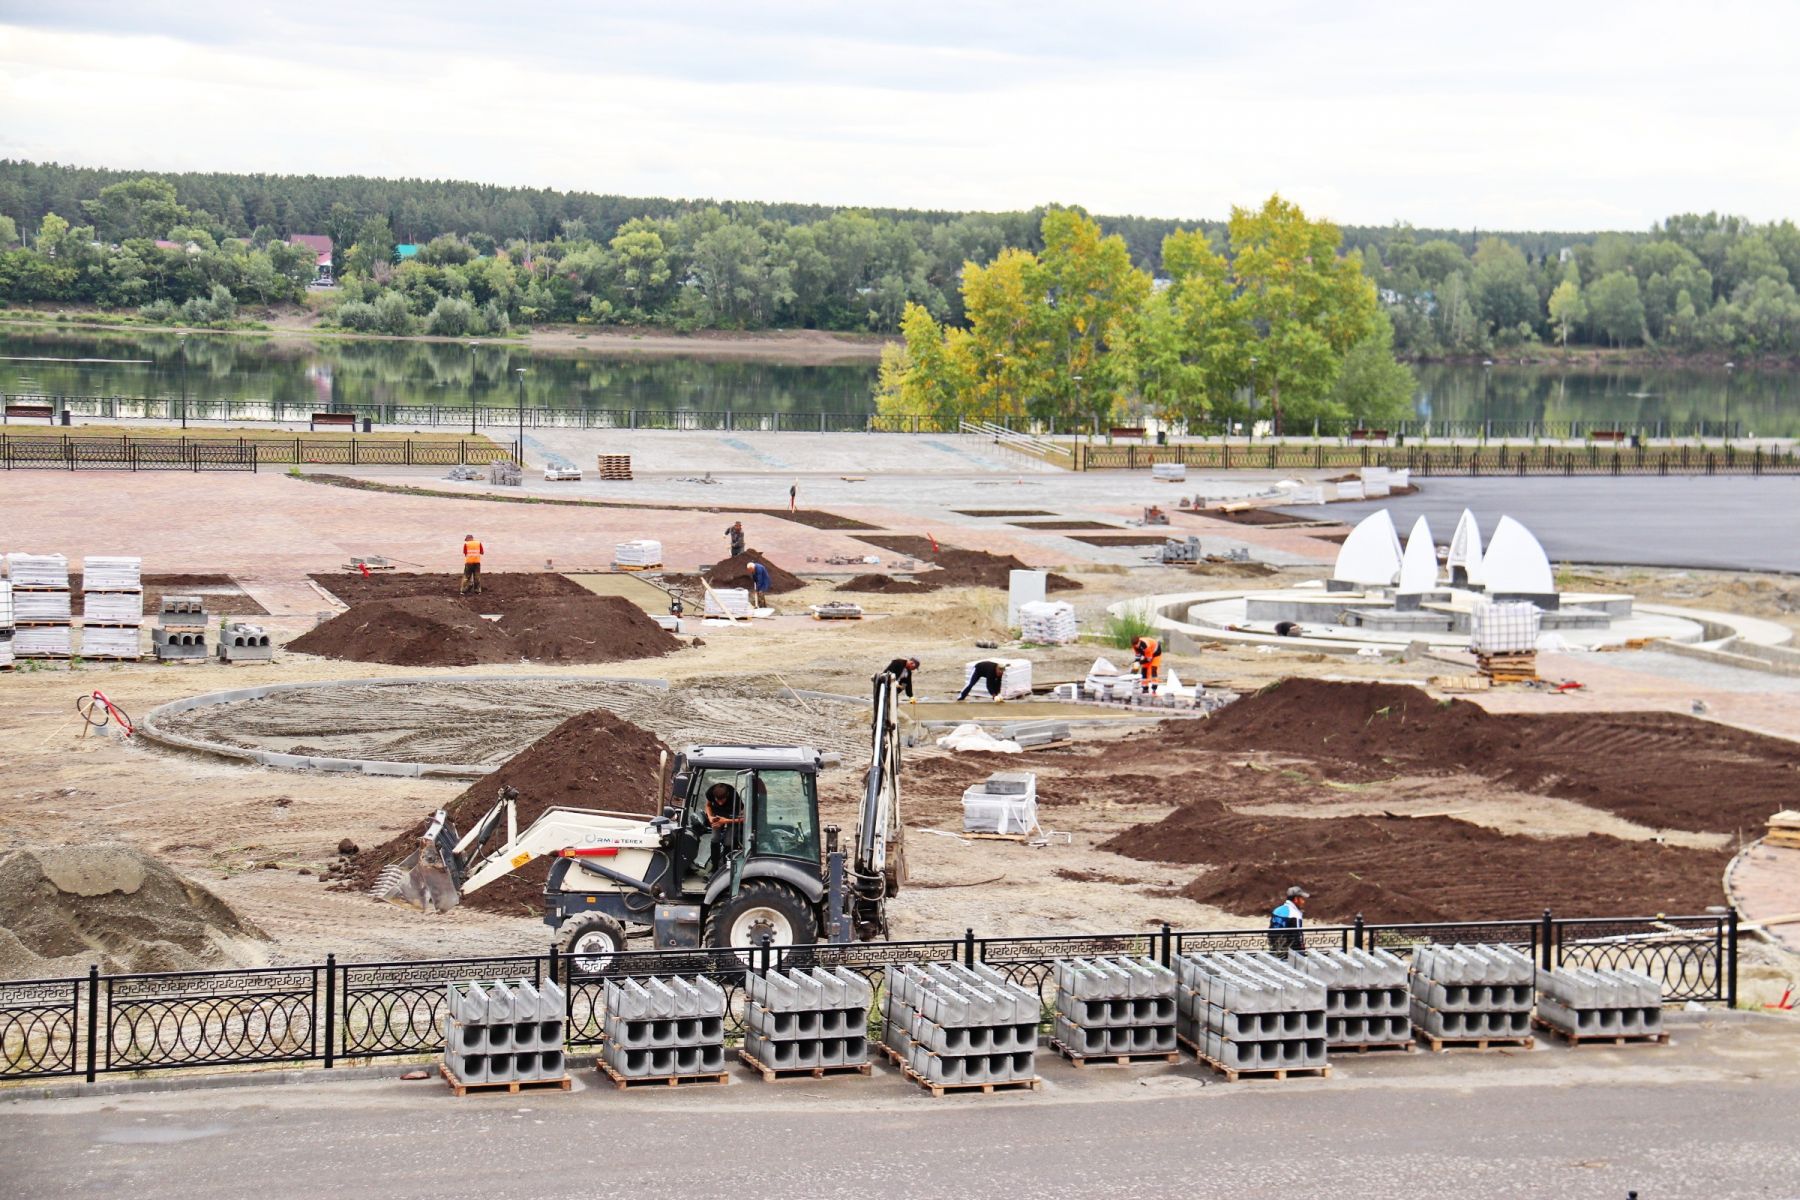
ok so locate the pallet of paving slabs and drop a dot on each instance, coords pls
(1367, 1002)
(1471, 995)
(1583, 1004)
(1114, 1011)
(504, 1032)
(806, 1022)
(952, 1027)
(1250, 1013)
(670, 1029)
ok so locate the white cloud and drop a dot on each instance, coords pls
(1538, 116)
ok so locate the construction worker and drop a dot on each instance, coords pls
(472, 551)
(725, 817)
(793, 495)
(991, 673)
(1288, 629)
(1287, 922)
(735, 531)
(759, 583)
(902, 670)
(1147, 652)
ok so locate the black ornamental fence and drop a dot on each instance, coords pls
(327, 1014)
(79, 452)
(1612, 458)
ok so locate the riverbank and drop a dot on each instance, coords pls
(797, 347)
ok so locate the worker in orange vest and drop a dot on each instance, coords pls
(1148, 653)
(472, 550)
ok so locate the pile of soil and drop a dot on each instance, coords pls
(890, 584)
(222, 594)
(1235, 570)
(420, 620)
(1041, 526)
(63, 907)
(734, 572)
(1245, 516)
(813, 518)
(1003, 512)
(1120, 539)
(1419, 869)
(966, 568)
(592, 760)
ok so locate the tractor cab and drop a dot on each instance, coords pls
(759, 799)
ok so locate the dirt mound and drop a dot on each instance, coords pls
(1419, 869)
(966, 568)
(1235, 570)
(222, 594)
(62, 907)
(734, 572)
(592, 760)
(449, 631)
(953, 622)
(497, 589)
(890, 584)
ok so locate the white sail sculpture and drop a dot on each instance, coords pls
(1465, 550)
(1370, 556)
(1515, 563)
(1418, 565)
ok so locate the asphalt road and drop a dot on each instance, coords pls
(1728, 522)
(1711, 1116)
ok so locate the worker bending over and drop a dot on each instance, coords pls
(1147, 653)
(472, 551)
(759, 584)
(991, 673)
(902, 670)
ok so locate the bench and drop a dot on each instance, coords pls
(318, 419)
(31, 410)
(1608, 435)
(1368, 435)
(1126, 431)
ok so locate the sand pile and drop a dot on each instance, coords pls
(592, 760)
(734, 572)
(63, 907)
(965, 568)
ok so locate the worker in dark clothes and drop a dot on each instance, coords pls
(472, 552)
(1288, 629)
(1287, 922)
(987, 672)
(725, 818)
(735, 531)
(759, 584)
(902, 670)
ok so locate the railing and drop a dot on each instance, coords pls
(1449, 460)
(328, 1012)
(1020, 443)
(66, 452)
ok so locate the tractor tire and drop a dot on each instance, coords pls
(762, 908)
(591, 940)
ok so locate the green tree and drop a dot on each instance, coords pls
(1372, 386)
(1504, 295)
(1192, 340)
(643, 266)
(9, 232)
(1616, 307)
(1090, 295)
(1567, 308)
(141, 208)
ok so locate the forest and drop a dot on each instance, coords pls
(490, 258)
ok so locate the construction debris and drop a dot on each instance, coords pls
(837, 610)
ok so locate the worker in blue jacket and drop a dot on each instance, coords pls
(759, 584)
(1287, 922)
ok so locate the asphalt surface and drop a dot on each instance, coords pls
(1710, 1116)
(1736, 522)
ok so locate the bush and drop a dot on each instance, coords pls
(163, 312)
(216, 309)
(1121, 629)
(355, 314)
(454, 318)
(392, 315)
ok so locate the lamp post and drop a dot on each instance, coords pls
(1250, 425)
(1487, 371)
(520, 373)
(181, 340)
(1729, 368)
(472, 409)
(1001, 359)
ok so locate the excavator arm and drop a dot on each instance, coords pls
(879, 866)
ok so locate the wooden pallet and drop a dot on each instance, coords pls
(998, 837)
(940, 1090)
(1115, 1060)
(630, 1081)
(778, 1074)
(514, 1085)
(1601, 1039)
(635, 569)
(1508, 668)
(1409, 1047)
(1233, 1074)
(1438, 1044)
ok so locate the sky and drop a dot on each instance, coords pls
(1529, 115)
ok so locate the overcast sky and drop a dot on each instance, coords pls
(1526, 115)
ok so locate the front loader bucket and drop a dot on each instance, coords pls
(424, 879)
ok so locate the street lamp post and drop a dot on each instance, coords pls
(1729, 368)
(520, 373)
(1487, 371)
(1250, 424)
(182, 342)
(472, 409)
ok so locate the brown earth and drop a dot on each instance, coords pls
(222, 594)
(497, 589)
(812, 517)
(1003, 512)
(593, 760)
(965, 568)
(1060, 524)
(886, 583)
(734, 572)
(1246, 516)
(1120, 539)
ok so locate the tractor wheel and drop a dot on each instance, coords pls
(591, 939)
(762, 911)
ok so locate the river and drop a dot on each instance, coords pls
(305, 374)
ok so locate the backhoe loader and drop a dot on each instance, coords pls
(733, 860)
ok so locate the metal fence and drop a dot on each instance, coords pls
(66, 452)
(329, 1012)
(1612, 459)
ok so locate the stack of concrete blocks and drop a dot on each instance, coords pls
(661, 1028)
(1105, 681)
(1585, 1003)
(112, 608)
(504, 1031)
(1003, 803)
(6, 624)
(1015, 684)
(1472, 992)
(638, 553)
(728, 602)
(1048, 623)
(41, 611)
(1366, 998)
(1106, 1007)
(1168, 472)
(504, 473)
(180, 629)
(951, 1024)
(808, 1018)
(1036, 733)
(240, 641)
(1182, 550)
(1249, 1011)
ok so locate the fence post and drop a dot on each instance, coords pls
(330, 1010)
(1168, 939)
(969, 947)
(1356, 932)
(1731, 956)
(93, 1020)
(1547, 934)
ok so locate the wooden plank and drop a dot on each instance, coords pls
(778, 1074)
(1601, 1039)
(1438, 1045)
(1115, 1060)
(622, 1082)
(1408, 1047)
(510, 1086)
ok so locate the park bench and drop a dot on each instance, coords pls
(346, 419)
(31, 410)
(1609, 435)
(1368, 435)
(1127, 431)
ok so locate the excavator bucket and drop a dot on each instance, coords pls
(424, 879)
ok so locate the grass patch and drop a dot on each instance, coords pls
(1121, 629)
